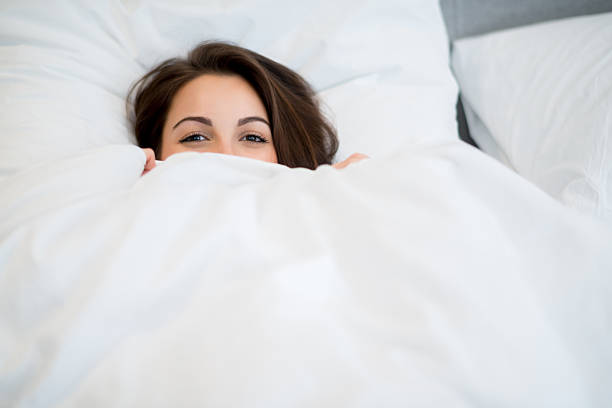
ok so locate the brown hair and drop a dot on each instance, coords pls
(302, 136)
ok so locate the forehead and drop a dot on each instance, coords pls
(217, 95)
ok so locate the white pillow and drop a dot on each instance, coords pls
(544, 94)
(382, 67)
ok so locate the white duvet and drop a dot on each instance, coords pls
(434, 277)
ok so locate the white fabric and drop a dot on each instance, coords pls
(482, 135)
(381, 67)
(544, 93)
(436, 277)
(429, 275)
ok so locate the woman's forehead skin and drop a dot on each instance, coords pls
(224, 99)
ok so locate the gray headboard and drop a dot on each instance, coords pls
(466, 18)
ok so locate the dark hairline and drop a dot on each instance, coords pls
(306, 139)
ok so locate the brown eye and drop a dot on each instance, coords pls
(254, 138)
(194, 137)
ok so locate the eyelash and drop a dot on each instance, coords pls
(184, 140)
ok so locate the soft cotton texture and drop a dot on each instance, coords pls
(436, 277)
(539, 98)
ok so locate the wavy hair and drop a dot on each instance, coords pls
(301, 134)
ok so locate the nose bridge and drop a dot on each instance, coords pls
(224, 143)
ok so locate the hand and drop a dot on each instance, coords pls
(150, 164)
(353, 158)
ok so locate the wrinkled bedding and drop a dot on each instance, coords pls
(434, 277)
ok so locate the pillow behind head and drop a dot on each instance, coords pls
(65, 70)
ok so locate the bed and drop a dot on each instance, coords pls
(537, 96)
(432, 274)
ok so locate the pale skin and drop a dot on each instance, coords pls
(220, 114)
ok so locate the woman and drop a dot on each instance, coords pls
(227, 99)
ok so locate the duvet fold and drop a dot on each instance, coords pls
(434, 276)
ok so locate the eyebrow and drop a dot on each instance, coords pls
(248, 119)
(200, 119)
(208, 122)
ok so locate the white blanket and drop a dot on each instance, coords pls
(434, 277)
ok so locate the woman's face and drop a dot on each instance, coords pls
(220, 114)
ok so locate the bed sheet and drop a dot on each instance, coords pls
(434, 277)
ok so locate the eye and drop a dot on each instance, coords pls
(194, 137)
(254, 138)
